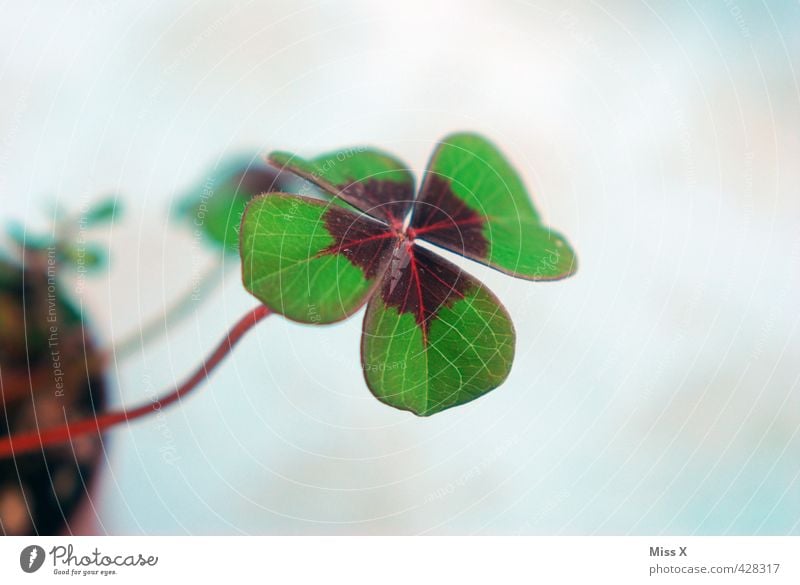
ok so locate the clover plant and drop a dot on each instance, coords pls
(433, 336)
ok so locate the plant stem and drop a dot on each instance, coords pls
(14, 445)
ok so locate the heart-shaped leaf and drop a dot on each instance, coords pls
(309, 260)
(474, 203)
(434, 337)
(370, 180)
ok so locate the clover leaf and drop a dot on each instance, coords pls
(66, 237)
(215, 205)
(104, 211)
(433, 337)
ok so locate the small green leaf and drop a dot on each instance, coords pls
(24, 238)
(89, 257)
(370, 180)
(219, 217)
(215, 207)
(309, 260)
(102, 212)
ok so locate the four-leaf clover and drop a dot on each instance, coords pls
(433, 337)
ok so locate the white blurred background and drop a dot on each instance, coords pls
(657, 391)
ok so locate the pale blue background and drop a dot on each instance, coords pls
(655, 392)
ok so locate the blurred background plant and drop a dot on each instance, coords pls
(51, 370)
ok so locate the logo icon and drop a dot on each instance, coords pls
(31, 558)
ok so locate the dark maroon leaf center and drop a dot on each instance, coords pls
(442, 218)
(384, 200)
(419, 282)
(416, 280)
(362, 240)
(256, 180)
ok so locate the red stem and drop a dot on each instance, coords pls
(33, 440)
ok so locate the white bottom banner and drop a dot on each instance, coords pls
(462, 560)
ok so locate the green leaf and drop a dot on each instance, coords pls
(433, 336)
(474, 203)
(370, 180)
(220, 216)
(102, 212)
(86, 256)
(309, 260)
(215, 207)
(24, 238)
